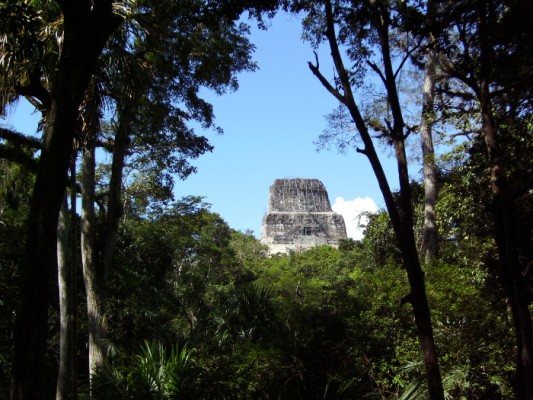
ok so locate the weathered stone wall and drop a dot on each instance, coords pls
(298, 195)
(299, 216)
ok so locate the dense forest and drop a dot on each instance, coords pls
(111, 288)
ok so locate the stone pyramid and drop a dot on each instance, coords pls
(299, 217)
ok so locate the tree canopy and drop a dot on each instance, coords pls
(172, 302)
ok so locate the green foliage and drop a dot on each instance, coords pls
(154, 373)
(248, 251)
(327, 323)
(472, 329)
(379, 241)
(15, 184)
(462, 210)
(247, 314)
(20, 25)
(170, 272)
(311, 299)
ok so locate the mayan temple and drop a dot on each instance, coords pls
(299, 216)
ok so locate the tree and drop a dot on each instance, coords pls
(92, 275)
(15, 184)
(67, 287)
(151, 77)
(155, 373)
(429, 244)
(366, 28)
(86, 28)
(483, 45)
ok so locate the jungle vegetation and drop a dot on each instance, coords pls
(110, 287)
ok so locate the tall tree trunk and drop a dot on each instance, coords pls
(430, 240)
(95, 274)
(401, 213)
(115, 208)
(63, 376)
(417, 296)
(92, 278)
(510, 270)
(37, 273)
(503, 212)
(405, 229)
(67, 283)
(504, 224)
(87, 26)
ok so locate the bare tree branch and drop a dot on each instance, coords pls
(406, 57)
(376, 69)
(314, 69)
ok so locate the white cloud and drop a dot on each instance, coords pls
(351, 211)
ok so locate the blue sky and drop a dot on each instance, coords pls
(270, 126)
